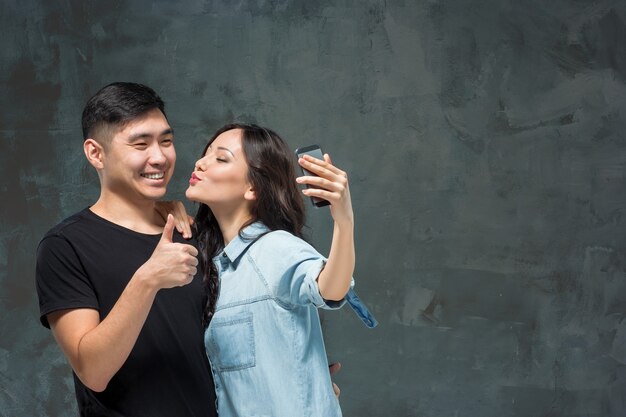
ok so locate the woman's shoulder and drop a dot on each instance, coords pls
(279, 237)
(281, 258)
(281, 244)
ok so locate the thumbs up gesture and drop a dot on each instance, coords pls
(171, 264)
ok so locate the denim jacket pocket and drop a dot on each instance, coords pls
(230, 342)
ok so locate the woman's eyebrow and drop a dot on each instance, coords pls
(227, 150)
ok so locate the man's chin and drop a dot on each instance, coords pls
(155, 194)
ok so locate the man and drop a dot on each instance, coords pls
(119, 290)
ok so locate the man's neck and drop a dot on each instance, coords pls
(139, 216)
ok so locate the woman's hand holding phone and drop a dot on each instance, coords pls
(328, 183)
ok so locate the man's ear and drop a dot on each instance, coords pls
(94, 153)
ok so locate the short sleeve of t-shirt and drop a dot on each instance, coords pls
(60, 278)
(297, 265)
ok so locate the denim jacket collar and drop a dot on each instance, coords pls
(239, 244)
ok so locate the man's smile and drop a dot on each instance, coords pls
(153, 176)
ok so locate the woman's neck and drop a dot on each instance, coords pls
(231, 222)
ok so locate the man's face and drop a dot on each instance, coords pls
(139, 160)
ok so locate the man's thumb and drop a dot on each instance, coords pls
(168, 230)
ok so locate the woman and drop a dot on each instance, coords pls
(264, 338)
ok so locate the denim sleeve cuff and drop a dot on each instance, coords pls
(310, 283)
(334, 305)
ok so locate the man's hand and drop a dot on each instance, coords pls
(98, 349)
(171, 264)
(333, 368)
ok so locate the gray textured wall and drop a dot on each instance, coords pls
(485, 145)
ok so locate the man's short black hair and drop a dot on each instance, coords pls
(115, 105)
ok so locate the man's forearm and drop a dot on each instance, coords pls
(100, 351)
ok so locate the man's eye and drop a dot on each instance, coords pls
(221, 160)
(167, 141)
(141, 145)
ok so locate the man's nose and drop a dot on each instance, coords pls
(157, 157)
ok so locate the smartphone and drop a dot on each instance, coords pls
(316, 152)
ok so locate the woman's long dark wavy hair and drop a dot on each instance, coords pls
(279, 204)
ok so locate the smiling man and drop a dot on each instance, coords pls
(117, 287)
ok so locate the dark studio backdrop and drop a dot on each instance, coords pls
(487, 157)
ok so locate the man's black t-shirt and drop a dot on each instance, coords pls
(86, 262)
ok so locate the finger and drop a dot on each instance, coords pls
(182, 215)
(186, 279)
(191, 250)
(338, 185)
(314, 164)
(178, 218)
(323, 194)
(310, 158)
(163, 208)
(333, 368)
(325, 163)
(336, 390)
(329, 191)
(311, 164)
(168, 230)
(193, 261)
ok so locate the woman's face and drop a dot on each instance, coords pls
(220, 177)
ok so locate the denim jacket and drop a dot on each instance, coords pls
(265, 341)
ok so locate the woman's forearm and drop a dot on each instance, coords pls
(334, 280)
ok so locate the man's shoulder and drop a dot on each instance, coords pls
(84, 228)
(69, 224)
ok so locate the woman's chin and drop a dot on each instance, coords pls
(190, 194)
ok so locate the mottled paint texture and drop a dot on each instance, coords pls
(487, 157)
